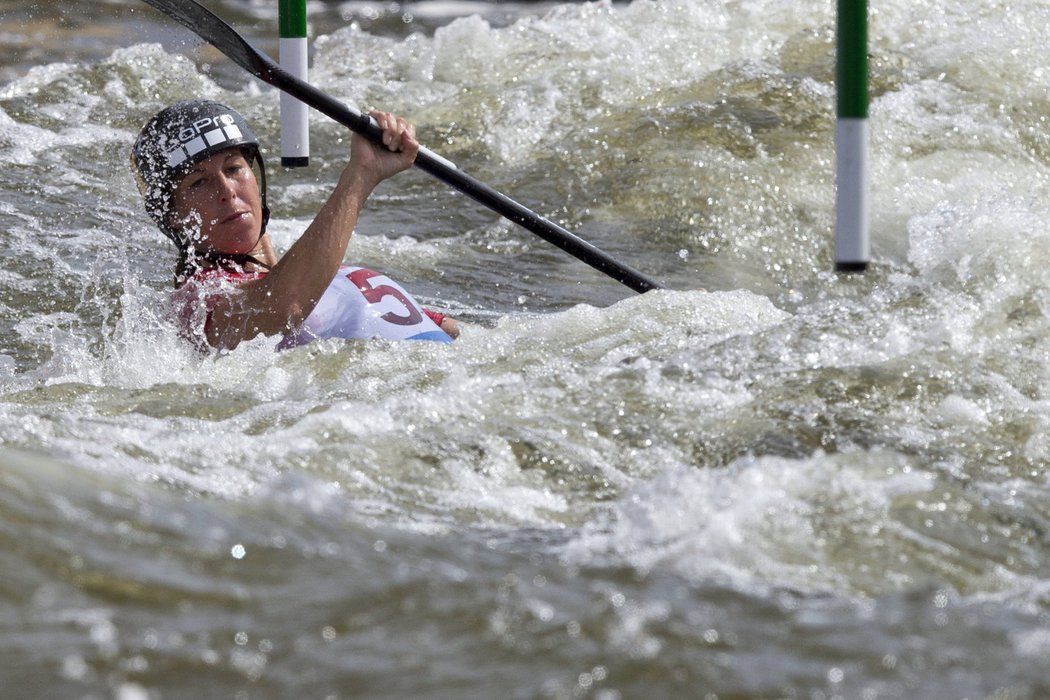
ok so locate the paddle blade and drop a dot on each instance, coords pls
(222, 36)
(225, 38)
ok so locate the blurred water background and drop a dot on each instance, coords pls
(797, 485)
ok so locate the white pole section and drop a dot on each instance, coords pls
(295, 116)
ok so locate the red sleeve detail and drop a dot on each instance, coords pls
(195, 301)
(437, 318)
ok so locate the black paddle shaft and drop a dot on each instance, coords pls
(215, 31)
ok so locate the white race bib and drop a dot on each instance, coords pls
(362, 303)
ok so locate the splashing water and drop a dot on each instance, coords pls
(794, 485)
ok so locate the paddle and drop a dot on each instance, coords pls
(206, 25)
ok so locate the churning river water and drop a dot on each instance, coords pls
(795, 485)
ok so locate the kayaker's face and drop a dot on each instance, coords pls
(218, 204)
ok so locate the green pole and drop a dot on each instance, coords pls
(295, 116)
(852, 68)
(852, 234)
(291, 18)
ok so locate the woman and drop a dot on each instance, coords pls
(195, 167)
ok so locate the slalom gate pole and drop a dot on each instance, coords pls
(295, 115)
(852, 225)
